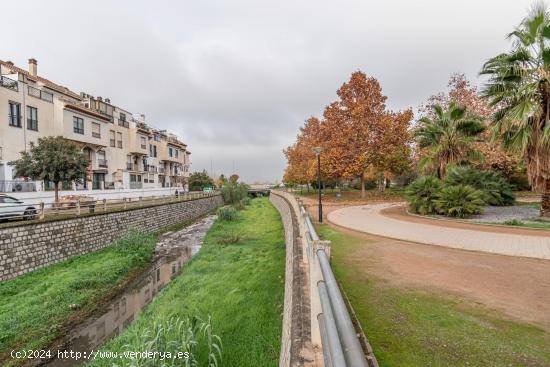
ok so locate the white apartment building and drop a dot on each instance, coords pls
(124, 152)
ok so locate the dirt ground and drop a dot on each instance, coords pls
(518, 287)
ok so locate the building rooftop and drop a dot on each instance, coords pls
(47, 83)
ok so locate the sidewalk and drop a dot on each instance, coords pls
(368, 218)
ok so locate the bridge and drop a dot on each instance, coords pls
(259, 190)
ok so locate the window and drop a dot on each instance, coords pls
(143, 142)
(154, 151)
(122, 120)
(15, 114)
(32, 118)
(78, 125)
(157, 137)
(112, 138)
(170, 152)
(119, 139)
(96, 130)
(177, 153)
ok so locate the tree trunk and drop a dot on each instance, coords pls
(56, 189)
(545, 202)
(362, 187)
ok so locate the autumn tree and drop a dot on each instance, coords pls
(356, 134)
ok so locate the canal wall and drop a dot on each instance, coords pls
(29, 247)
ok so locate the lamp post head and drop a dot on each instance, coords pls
(317, 150)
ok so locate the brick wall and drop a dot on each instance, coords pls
(28, 247)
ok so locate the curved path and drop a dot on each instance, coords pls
(372, 219)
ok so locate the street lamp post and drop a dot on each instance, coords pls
(317, 151)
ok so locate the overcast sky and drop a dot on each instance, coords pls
(235, 79)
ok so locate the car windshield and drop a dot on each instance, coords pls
(9, 199)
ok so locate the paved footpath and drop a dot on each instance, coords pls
(368, 218)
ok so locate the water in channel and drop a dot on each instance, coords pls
(172, 251)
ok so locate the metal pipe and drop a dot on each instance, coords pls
(355, 357)
(333, 341)
(311, 229)
(327, 358)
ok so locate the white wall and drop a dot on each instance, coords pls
(49, 196)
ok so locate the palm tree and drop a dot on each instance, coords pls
(519, 87)
(448, 137)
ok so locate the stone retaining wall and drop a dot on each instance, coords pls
(299, 346)
(29, 247)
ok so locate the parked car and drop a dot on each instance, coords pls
(12, 208)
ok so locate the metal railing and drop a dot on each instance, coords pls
(9, 83)
(341, 346)
(136, 185)
(41, 94)
(102, 163)
(18, 210)
(17, 186)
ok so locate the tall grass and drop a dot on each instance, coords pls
(239, 286)
(178, 341)
(35, 308)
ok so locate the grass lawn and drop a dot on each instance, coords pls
(236, 280)
(35, 307)
(408, 327)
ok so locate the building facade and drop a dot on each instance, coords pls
(122, 149)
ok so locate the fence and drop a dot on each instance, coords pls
(17, 210)
(340, 344)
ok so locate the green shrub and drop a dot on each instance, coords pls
(421, 194)
(234, 192)
(239, 205)
(496, 190)
(459, 201)
(227, 213)
(246, 201)
(514, 222)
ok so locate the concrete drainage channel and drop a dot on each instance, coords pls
(172, 251)
(337, 340)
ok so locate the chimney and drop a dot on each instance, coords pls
(107, 100)
(33, 67)
(99, 98)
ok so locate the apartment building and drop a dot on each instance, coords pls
(123, 150)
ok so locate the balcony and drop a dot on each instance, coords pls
(102, 163)
(96, 135)
(132, 166)
(9, 83)
(161, 170)
(151, 169)
(41, 94)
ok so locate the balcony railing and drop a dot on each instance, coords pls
(102, 163)
(136, 185)
(41, 94)
(143, 146)
(132, 166)
(96, 135)
(162, 170)
(151, 169)
(123, 123)
(9, 83)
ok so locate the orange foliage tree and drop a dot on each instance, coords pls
(357, 134)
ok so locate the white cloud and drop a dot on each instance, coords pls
(237, 78)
